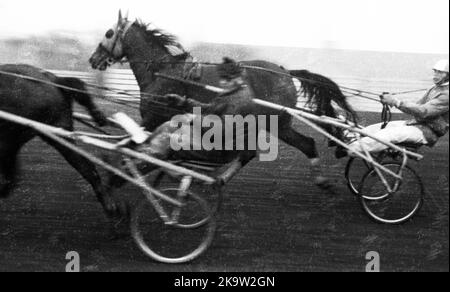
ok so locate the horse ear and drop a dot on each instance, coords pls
(126, 15)
(120, 16)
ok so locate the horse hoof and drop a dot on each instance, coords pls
(5, 189)
(100, 119)
(123, 210)
(323, 183)
(340, 152)
(117, 209)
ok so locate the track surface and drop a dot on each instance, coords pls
(273, 219)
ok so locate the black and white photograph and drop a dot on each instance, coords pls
(224, 142)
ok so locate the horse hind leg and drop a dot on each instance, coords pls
(307, 145)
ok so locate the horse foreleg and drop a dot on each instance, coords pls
(10, 146)
(8, 171)
(82, 97)
(112, 206)
(86, 101)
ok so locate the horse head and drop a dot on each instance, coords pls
(110, 50)
(136, 42)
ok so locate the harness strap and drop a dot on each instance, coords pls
(386, 116)
(207, 87)
(192, 70)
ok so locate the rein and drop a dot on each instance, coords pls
(386, 116)
(110, 99)
(409, 91)
(198, 84)
(42, 81)
(351, 91)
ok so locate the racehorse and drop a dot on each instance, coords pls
(39, 95)
(151, 51)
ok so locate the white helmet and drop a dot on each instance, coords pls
(441, 65)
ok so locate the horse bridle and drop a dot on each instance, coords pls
(119, 35)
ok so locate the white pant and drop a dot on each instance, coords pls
(395, 132)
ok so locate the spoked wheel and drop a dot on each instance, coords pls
(178, 239)
(354, 173)
(396, 207)
(212, 194)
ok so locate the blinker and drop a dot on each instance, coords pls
(109, 34)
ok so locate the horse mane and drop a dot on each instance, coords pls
(166, 40)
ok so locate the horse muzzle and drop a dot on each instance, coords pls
(100, 60)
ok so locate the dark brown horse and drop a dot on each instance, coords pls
(151, 51)
(35, 97)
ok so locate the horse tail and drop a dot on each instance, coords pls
(81, 96)
(321, 92)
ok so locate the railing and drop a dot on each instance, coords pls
(124, 80)
(113, 78)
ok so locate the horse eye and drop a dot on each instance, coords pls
(109, 34)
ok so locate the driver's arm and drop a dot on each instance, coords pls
(182, 102)
(191, 103)
(434, 108)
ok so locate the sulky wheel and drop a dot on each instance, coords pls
(212, 194)
(395, 207)
(354, 173)
(180, 238)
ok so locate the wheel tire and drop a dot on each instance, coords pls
(208, 228)
(386, 208)
(212, 194)
(354, 173)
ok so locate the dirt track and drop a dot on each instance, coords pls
(273, 219)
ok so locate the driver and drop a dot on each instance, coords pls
(430, 117)
(234, 99)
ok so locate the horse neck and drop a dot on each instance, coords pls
(147, 58)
